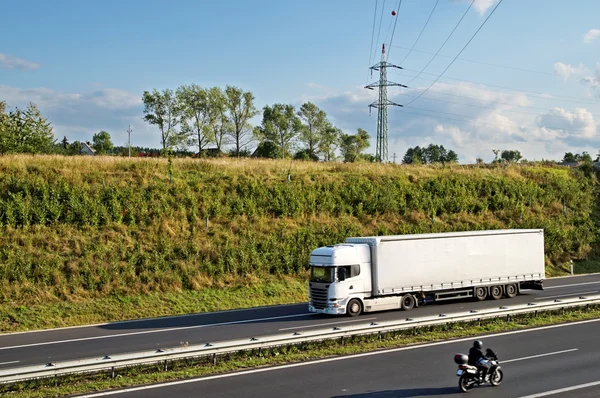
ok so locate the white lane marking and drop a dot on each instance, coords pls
(8, 363)
(540, 355)
(366, 354)
(561, 390)
(330, 323)
(152, 331)
(565, 295)
(571, 285)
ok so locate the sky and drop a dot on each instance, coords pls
(529, 79)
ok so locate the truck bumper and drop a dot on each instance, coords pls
(327, 310)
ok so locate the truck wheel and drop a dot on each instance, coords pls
(480, 293)
(354, 308)
(496, 292)
(408, 302)
(511, 290)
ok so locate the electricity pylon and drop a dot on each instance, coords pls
(381, 153)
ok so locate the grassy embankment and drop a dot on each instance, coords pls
(89, 240)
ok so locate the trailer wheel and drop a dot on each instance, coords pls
(408, 302)
(354, 308)
(480, 293)
(496, 292)
(511, 290)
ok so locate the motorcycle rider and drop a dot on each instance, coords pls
(476, 358)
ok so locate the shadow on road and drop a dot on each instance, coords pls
(404, 393)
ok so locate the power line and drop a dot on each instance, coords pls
(372, 37)
(539, 94)
(395, 22)
(475, 62)
(460, 52)
(379, 30)
(488, 107)
(422, 30)
(445, 41)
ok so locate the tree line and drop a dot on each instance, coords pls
(198, 117)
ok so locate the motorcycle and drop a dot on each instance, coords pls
(470, 376)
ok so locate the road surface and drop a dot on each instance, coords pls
(97, 341)
(559, 362)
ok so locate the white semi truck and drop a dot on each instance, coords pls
(378, 273)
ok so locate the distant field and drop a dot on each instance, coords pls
(93, 239)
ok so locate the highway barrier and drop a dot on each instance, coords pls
(112, 362)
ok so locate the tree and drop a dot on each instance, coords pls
(65, 142)
(240, 106)
(496, 152)
(305, 154)
(280, 125)
(512, 156)
(585, 157)
(413, 156)
(329, 142)
(451, 157)
(352, 146)
(102, 143)
(315, 124)
(163, 110)
(25, 132)
(569, 157)
(221, 123)
(268, 149)
(198, 117)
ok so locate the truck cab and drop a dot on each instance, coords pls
(340, 276)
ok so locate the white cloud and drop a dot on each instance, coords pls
(80, 115)
(579, 124)
(591, 35)
(480, 5)
(566, 70)
(10, 62)
(442, 118)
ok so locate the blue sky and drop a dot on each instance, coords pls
(86, 65)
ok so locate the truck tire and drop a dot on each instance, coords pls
(511, 290)
(496, 292)
(354, 308)
(481, 293)
(407, 302)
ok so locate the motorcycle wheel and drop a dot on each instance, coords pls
(465, 383)
(496, 377)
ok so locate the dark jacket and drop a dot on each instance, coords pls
(475, 354)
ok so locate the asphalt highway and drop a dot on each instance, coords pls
(55, 345)
(556, 361)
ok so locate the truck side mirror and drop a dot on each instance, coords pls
(342, 274)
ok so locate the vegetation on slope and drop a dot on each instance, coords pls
(114, 230)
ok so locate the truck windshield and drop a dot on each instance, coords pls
(321, 274)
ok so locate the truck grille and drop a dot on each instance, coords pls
(318, 296)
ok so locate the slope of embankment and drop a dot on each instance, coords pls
(95, 239)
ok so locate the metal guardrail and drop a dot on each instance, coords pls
(113, 362)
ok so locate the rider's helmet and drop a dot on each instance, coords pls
(478, 344)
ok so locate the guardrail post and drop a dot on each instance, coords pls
(112, 372)
(214, 359)
(165, 368)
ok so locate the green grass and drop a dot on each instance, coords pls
(289, 354)
(251, 293)
(84, 238)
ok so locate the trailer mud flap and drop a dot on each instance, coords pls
(533, 285)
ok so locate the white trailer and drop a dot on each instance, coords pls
(377, 273)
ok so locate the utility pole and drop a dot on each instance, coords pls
(394, 157)
(129, 131)
(381, 104)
